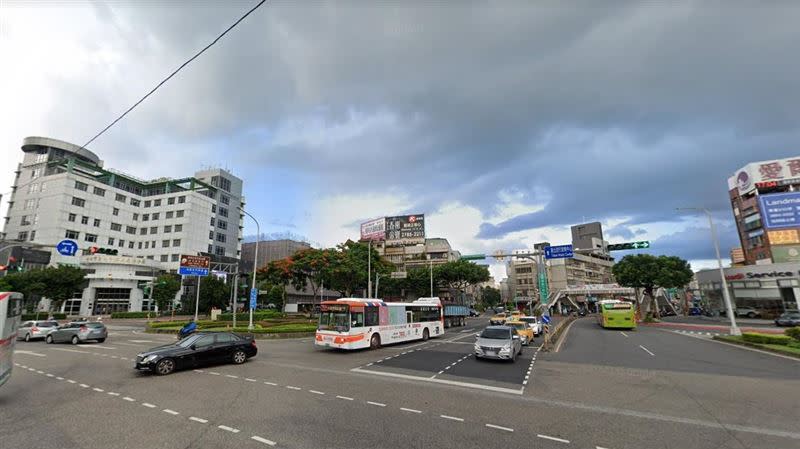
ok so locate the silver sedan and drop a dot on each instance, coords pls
(498, 342)
(78, 333)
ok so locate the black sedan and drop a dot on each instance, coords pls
(203, 348)
(788, 319)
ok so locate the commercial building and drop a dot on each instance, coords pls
(63, 192)
(764, 197)
(580, 270)
(770, 289)
(269, 251)
(737, 257)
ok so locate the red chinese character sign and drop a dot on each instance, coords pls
(771, 170)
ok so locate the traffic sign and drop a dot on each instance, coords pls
(629, 245)
(253, 297)
(194, 265)
(67, 248)
(399, 274)
(546, 319)
(558, 252)
(474, 257)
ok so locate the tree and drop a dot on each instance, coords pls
(58, 283)
(213, 293)
(648, 272)
(312, 267)
(278, 273)
(349, 267)
(166, 287)
(461, 274)
(490, 297)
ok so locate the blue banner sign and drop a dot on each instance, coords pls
(780, 210)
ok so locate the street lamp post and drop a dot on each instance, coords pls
(725, 294)
(255, 266)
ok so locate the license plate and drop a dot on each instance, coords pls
(328, 338)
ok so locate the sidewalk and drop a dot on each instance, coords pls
(712, 327)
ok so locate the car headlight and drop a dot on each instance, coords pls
(478, 348)
(506, 347)
(149, 358)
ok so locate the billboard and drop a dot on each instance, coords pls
(780, 210)
(786, 253)
(194, 265)
(405, 229)
(373, 229)
(782, 237)
(767, 173)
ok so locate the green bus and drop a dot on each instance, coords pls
(615, 314)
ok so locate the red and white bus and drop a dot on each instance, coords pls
(355, 323)
(10, 314)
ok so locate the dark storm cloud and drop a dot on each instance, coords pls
(628, 110)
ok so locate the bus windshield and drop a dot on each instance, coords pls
(334, 318)
(617, 306)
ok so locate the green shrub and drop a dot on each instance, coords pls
(133, 314)
(257, 316)
(753, 337)
(793, 332)
(43, 316)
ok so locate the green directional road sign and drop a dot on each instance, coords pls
(473, 257)
(629, 245)
(544, 291)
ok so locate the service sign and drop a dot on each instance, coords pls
(194, 265)
(374, 229)
(405, 229)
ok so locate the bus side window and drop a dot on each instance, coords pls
(357, 319)
(371, 316)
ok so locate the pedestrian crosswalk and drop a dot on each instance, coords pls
(703, 334)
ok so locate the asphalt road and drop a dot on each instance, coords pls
(596, 392)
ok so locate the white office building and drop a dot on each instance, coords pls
(63, 191)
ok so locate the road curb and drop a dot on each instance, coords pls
(556, 337)
(747, 344)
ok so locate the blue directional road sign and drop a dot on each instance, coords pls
(546, 319)
(253, 297)
(67, 248)
(558, 252)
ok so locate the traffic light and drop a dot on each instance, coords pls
(108, 251)
(629, 245)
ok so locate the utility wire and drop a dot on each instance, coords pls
(174, 73)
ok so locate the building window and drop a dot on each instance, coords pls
(176, 242)
(72, 217)
(72, 234)
(171, 200)
(135, 217)
(115, 212)
(24, 220)
(112, 293)
(153, 244)
(181, 199)
(146, 245)
(147, 203)
(156, 203)
(143, 231)
(169, 215)
(165, 243)
(212, 221)
(22, 235)
(29, 204)
(130, 230)
(120, 197)
(788, 283)
(85, 220)
(116, 227)
(223, 212)
(96, 222)
(145, 217)
(33, 188)
(221, 182)
(135, 202)
(220, 237)
(33, 235)
(81, 185)
(222, 224)
(165, 257)
(90, 238)
(213, 208)
(211, 235)
(175, 257)
(130, 245)
(78, 201)
(111, 241)
(99, 192)
(150, 257)
(36, 172)
(155, 216)
(218, 250)
(179, 214)
(167, 229)
(224, 199)
(122, 243)
(154, 230)
(141, 244)
(178, 228)
(210, 248)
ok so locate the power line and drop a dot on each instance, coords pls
(174, 73)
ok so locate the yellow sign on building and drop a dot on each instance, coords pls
(784, 237)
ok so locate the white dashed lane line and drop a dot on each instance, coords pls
(647, 350)
(452, 418)
(84, 386)
(263, 440)
(547, 437)
(378, 404)
(271, 383)
(148, 405)
(410, 410)
(171, 412)
(129, 399)
(493, 426)
(99, 390)
(345, 398)
(111, 393)
(316, 392)
(200, 420)
(293, 388)
(229, 429)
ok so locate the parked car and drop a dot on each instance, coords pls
(523, 329)
(498, 342)
(498, 318)
(202, 348)
(749, 312)
(34, 330)
(78, 332)
(473, 312)
(788, 319)
(535, 324)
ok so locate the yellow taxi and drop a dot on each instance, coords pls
(523, 329)
(498, 318)
(515, 315)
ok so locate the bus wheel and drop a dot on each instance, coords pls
(425, 335)
(375, 341)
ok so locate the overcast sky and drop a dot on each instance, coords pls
(503, 122)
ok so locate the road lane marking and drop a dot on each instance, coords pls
(200, 420)
(231, 376)
(129, 399)
(344, 397)
(440, 381)
(141, 341)
(40, 371)
(271, 383)
(249, 379)
(111, 393)
(50, 375)
(213, 373)
(148, 405)
(293, 388)
(453, 418)
(59, 378)
(36, 354)
(71, 381)
(316, 392)
(547, 437)
(103, 347)
(99, 390)
(411, 410)
(229, 429)
(507, 429)
(263, 440)
(624, 334)
(84, 386)
(198, 371)
(171, 412)
(600, 447)
(379, 404)
(647, 350)
(70, 350)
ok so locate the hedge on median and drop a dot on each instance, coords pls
(257, 316)
(793, 332)
(43, 316)
(133, 315)
(768, 339)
